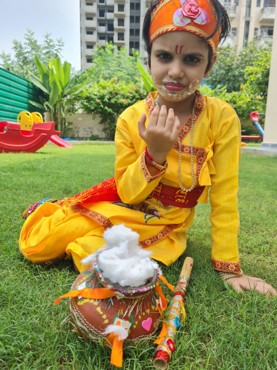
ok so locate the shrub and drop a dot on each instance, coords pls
(108, 98)
(242, 102)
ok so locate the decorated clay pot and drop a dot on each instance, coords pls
(136, 309)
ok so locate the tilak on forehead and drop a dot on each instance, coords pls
(195, 16)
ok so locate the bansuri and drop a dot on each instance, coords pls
(176, 311)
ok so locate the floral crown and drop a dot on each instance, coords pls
(195, 16)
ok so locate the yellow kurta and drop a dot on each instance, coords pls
(55, 230)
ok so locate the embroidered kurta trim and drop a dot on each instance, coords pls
(199, 153)
(97, 217)
(227, 266)
(159, 236)
(146, 172)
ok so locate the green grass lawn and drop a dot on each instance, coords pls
(224, 330)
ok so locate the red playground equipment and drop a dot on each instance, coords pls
(29, 134)
(255, 117)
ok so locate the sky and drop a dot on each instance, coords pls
(59, 18)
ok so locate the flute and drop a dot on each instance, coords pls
(176, 309)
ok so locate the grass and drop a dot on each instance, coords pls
(224, 330)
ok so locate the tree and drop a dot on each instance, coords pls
(229, 69)
(114, 84)
(109, 62)
(22, 63)
(58, 89)
(109, 98)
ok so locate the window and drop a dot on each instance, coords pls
(110, 27)
(101, 1)
(120, 22)
(269, 3)
(233, 31)
(89, 3)
(248, 8)
(134, 45)
(89, 17)
(267, 31)
(134, 19)
(89, 45)
(89, 59)
(101, 13)
(120, 36)
(120, 7)
(102, 36)
(89, 31)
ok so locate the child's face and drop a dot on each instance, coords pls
(178, 64)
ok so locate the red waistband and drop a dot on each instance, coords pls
(172, 196)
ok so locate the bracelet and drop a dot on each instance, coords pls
(160, 167)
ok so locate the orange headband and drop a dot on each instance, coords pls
(195, 16)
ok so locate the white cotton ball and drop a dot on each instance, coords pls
(124, 262)
(120, 233)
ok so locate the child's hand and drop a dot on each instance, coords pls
(161, 134)
(244, 282)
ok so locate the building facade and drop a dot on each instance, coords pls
(120, 22)
(251, 21)
(117, 21)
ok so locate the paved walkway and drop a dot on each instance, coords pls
(265, 150)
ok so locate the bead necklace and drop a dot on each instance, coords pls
(187, 190)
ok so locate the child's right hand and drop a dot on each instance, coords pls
(161, 134)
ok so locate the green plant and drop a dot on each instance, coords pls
(241, 101)
(109, 62)
(230, 67)
(108, 98)
(58, 89)
(35, 334)
(146, 78)
(22, 61)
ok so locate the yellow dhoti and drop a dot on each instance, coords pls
(54, 231)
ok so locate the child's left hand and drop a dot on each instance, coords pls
(245, 282)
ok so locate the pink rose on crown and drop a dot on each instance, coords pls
(190, 11)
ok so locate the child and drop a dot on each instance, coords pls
(173, 150)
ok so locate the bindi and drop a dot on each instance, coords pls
(178, 49)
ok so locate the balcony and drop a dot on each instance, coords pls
(119, 28)
(267, 14)
(109, 16)
(89, 9)
(120, 14)
(101, 29)
(90, 24)
(262, 40)
(119, 43)
(90, 38)
(231, 9)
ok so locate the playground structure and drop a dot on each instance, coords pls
(255, 117)
(28, 134)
